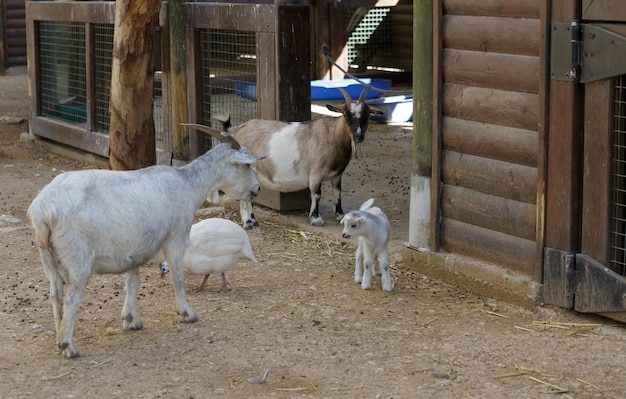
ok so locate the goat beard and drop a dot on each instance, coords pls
(357, 149)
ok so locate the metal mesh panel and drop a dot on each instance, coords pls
(228, 70)
(618, 235)
(63, 71)
(369, 30)
(103, 58)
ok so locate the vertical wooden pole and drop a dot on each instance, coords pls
(292, 50)
(178, 82)
(421, 174)
(564, 173)
(131, 131)
(3, 58)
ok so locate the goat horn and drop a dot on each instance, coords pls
(221, 136)
(345, 95)
(362, 96)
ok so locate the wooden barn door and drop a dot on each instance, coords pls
(596, 275)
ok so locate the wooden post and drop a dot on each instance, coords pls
(292, 49)
(178, 82)
(421, 174)
(131, 132)
(3, 58)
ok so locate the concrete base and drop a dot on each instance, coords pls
(479, 277)
(295, 201)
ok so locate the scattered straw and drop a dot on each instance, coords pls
(489, 312)
(512, 374)
(340, 389)
(594, 387)
(96, 364)
(300, 389)
(56, 377)
(557, 388)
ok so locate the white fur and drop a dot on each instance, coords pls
(216, 246)
(102, 221)
(371, 226)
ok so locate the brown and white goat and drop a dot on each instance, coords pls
(302, 155)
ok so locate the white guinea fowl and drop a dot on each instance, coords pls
(216, 246)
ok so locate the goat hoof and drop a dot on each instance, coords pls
(68, 350)
(249, 225)
(318, 221)
(189, 317)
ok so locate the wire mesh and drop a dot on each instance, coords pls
(63, 71)
(369, 30)
(228, 77)
(618, 234)
(103, 54)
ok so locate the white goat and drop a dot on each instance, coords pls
(216, 246)
(302, 155)
(371, 226)
(103, 221)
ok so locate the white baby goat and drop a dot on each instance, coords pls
(371, 226)
(216, 246)
(302, 155)
(103, 221)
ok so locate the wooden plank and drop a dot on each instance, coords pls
(604, 10)
(437, 146)
(496, 107)
(490, 8)
(267, 98)
(492, 70)
(490, 141)
(178, 80)
(597, 158)
(501, 249)
(71, 11)
(241, 17)
(564, 166)
(321, 25)
(77, 137)
(293, 53)
(500, 179)
(542, 137)
(494, 213)
(499, 35)
(196, 138)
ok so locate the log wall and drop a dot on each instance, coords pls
(488, 128)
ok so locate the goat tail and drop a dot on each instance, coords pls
(41, 219)
(367, 204)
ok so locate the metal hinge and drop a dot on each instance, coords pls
(582, 52)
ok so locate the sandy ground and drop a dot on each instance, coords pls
(297, 313)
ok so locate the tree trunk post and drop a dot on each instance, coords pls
(131, 131)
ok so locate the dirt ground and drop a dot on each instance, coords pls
(297, 313)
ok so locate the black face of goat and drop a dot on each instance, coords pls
(357, 114)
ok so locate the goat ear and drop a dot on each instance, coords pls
(335, 108)
(367, 204)
(374, 110)
(244, 157)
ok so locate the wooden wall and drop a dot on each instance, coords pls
(488, 130)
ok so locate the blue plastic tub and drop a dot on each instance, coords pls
(326, 89)
(394, 108)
